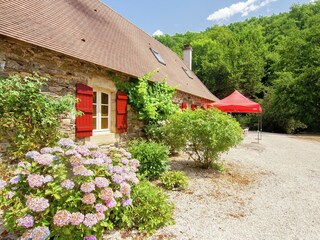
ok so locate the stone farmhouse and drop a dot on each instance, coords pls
(77, 44)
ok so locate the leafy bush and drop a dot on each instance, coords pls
(28, 118)
(68, 191)
(174, 180)
(150, 208)
(152, 101)
(204, 134)
(153, 157)
(164, 135)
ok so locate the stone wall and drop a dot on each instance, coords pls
(180, 97)
(63, 73)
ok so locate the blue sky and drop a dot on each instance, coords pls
(180, 16)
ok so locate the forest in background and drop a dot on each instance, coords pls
(273, 60)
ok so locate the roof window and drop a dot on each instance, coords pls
(158, 56)
(187, 72)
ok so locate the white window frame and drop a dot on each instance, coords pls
(100, 131)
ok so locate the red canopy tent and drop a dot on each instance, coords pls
(237, 103)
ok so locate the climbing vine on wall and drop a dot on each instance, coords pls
(152, 100)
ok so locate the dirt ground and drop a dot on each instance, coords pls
(270, 190)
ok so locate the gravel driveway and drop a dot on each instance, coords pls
(270, 190)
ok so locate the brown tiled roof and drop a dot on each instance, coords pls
(91, 31)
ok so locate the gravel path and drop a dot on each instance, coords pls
(270, 190)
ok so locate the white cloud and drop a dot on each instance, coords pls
(157, 33)
(314, 1)
(243, 8)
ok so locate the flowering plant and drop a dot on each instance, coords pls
(68, 191)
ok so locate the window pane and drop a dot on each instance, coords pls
(104, 111)
(94, 97)
(104, 123)
(104, 98)
(94, 123)
(94, 110)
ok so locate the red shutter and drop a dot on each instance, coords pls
(183, 105)
(84, 124)
(122, 102)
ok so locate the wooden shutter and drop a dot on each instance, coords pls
(183, 105)
(122, 114)
(84, 124)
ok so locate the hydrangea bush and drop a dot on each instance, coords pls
(68, 192)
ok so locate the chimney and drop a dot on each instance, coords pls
(187, 55)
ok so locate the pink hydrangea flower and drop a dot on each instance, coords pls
(67, 184)
(83, 150)
(125, 189)
(61, 218)
(117, 194)
(37, 204)
(26, 221)
(91, 237)
(101, 182)
(90, 145)
(57, 150)
(35, 180)
(125, 161)
(132, 177)
(10, 194)
(38, 233)
(47, 179)
(76, 218)
(87, 187)
(2, 184)
(75, 161)
(100, 216)
(45, 159)
(66, 142)
(82, 171)
(15, 179)
(111, 203)
(46, 150)
(90, 220)
(32, 154)
(126, 202)
(100, 207)
(106, 193)
(117, 178)
(89, 198)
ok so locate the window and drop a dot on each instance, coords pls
(187, 72)
(101, 112)
(158, 56)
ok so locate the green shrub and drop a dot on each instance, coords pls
(73, 191)
(28, 118)
(153, 157)
(164, 135)
(150, 209)
(174, 180)
(204, 134)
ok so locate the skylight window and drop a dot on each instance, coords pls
(187, 72)
(158, 56)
